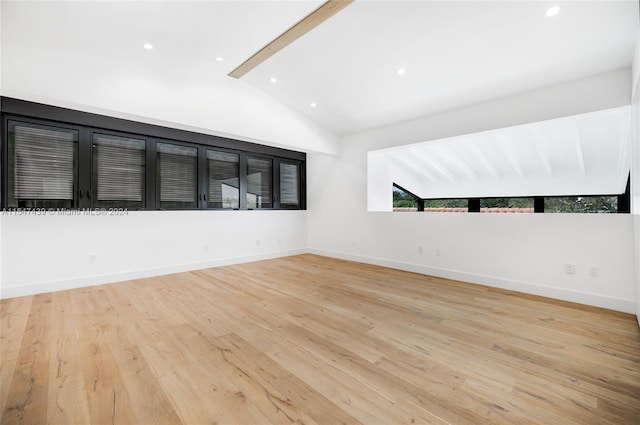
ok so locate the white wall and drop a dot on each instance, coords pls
(635, 169)
(521, 252)
(222, 106)
(46, 253)
(52, 252)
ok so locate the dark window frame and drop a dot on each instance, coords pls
(205, 167)
(623, 206)
(88, 124)
(278, 166)
(35, 122)
(275, 180)
(91, 171)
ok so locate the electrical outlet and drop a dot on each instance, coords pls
(419, 250)
(258, 243)
(205, 248)
(92, 259)
(593, 271)
(570, 268)
(437, 252)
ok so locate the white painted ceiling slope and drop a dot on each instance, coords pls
(455, 53)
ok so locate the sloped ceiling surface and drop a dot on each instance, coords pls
(455, 53)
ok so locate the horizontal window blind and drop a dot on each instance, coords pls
(224, 179)
(44, 163)
(119, 168)
(177, 174)
(259, 182)
(289, 184)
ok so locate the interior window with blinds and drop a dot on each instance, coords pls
(42, 167)
(259, 182)
(176, 176)
(223, 179)
(118, 172)
(289, 185)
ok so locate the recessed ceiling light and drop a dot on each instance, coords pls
(401, 71)
(313, 104)
(552, 11)
(147, 46)
(219, 59)
(273, 79)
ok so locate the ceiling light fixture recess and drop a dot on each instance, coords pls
(313, 104)
(401, 71)
(273, 79)
(219, 59)
(147, 46)
(552, 11)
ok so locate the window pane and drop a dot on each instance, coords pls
(403, 201)
(446, 205)
(506, 205)
(289, 184)
(223, 179)
(259, 178)
(118, 171)
(42, 166)
(177, 176)
(581, 204)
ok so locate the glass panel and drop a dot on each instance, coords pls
(259, 178)
(289, 184)
(506, 205)
(177, 176)
(42, 166)
(403, 201)
(223, 179)
(118, 171)
(581, 204)
(446, 205)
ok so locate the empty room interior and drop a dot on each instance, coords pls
(320, 212)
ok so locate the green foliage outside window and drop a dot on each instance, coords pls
(581, 204)
(402, 199)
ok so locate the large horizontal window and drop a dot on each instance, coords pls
(80, 160)
(557, 165)
(403, 200)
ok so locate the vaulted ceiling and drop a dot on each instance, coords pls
(454, 53)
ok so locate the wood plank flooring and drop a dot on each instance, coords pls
(313, 340)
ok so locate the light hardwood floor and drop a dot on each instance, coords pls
(312, 340)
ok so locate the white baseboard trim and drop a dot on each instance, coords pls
(617, 304)
(61, 285)
(626, 306)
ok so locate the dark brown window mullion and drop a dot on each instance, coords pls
(275, 184)
(202, 178)
(3, 162)
(150, 176)
(83, 198)
(243, 181)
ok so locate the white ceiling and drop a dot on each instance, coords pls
(455, 53)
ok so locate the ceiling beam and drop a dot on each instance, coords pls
(309, 22)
